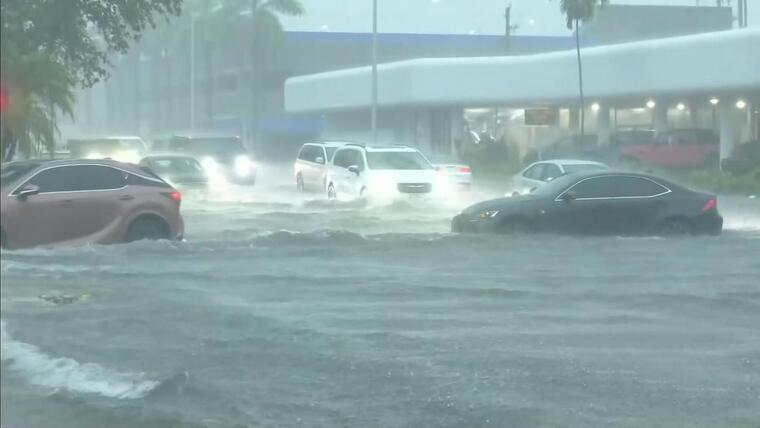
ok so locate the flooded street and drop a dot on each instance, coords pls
(282, 309)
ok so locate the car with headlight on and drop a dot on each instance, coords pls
(181, 171)
(85, 201)
(312, 164)
(537, 174)
(224, 158)
(120, 148)
(381, 172)
(598, 202)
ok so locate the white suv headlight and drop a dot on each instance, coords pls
(243, 165)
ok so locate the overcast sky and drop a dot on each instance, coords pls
(534, 17)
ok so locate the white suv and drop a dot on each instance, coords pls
(312, 165)
(379, 172)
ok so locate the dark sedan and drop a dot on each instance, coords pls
(598, 202)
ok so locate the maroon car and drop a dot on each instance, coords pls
(85, 201)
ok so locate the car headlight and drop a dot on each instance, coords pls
(94, 155)
(243, 165)
(382, 186)
(488, 214)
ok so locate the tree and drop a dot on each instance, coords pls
(79, 33)
(577, 11)
(38, 87)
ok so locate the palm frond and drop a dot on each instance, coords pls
(284, 7)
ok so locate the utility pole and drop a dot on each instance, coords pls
(192, 72)
(374, 71)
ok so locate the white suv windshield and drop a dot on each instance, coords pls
(397, 160)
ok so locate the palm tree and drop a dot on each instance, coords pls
(38, 87)
(577, 11)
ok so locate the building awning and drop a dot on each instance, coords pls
(706, 63)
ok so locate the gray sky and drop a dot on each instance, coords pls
(534, 17)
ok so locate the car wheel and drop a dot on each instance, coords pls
(331, 193)
(299, 183)
(515, 226)
(675, 227)
(151, 228)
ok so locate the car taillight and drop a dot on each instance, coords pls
(464, 170)
(174, 196)
(711, 204)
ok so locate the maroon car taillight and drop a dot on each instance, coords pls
(710, 205)
(174, 196)
(464, 170)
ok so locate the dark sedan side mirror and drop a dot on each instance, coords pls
(354, 169)
(568, 196)
(27, 191)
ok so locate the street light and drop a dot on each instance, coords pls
(651, 104)
(741, 104)
(714, 101)
(681, 106)
(595, 107)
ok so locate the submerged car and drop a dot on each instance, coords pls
(598, 202)
(85, 201)
(178, 170)
(312, 165)
(539, 173)
(223, 157)
(384, 172)
(123, 148)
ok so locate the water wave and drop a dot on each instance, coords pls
(68, 374)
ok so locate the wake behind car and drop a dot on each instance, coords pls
(223, 157)
(85, 201)
(178, 170)
(598, 202)
(386, 172)
(312, 164)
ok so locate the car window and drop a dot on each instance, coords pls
(398, 161)
(550, 172)
(595, 187)
(176, 165)
(625, 186)
(78, 178)
(534, 172)
(12, 172)
(342, 158)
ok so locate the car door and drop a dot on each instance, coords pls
(65, 209)
(339, 169)
(352, 182)
(587, 212)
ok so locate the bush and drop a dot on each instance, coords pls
(723, 182)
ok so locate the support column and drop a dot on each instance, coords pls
(661, 117)
(728, 129)
(575, 119)
(603, 125)
(457, 130)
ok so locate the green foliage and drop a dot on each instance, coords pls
(723, 182)
(38, 88)
(78, 33)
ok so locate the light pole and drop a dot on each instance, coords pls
(374, 71)
(192, 72)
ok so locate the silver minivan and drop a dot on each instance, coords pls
(312, 164)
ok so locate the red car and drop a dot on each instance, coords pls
(85, 201)
(677, 148)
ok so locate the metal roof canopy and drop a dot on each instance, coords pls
(709, 63)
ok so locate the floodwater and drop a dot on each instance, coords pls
(284, 310)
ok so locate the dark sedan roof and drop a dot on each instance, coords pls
(63, 162)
